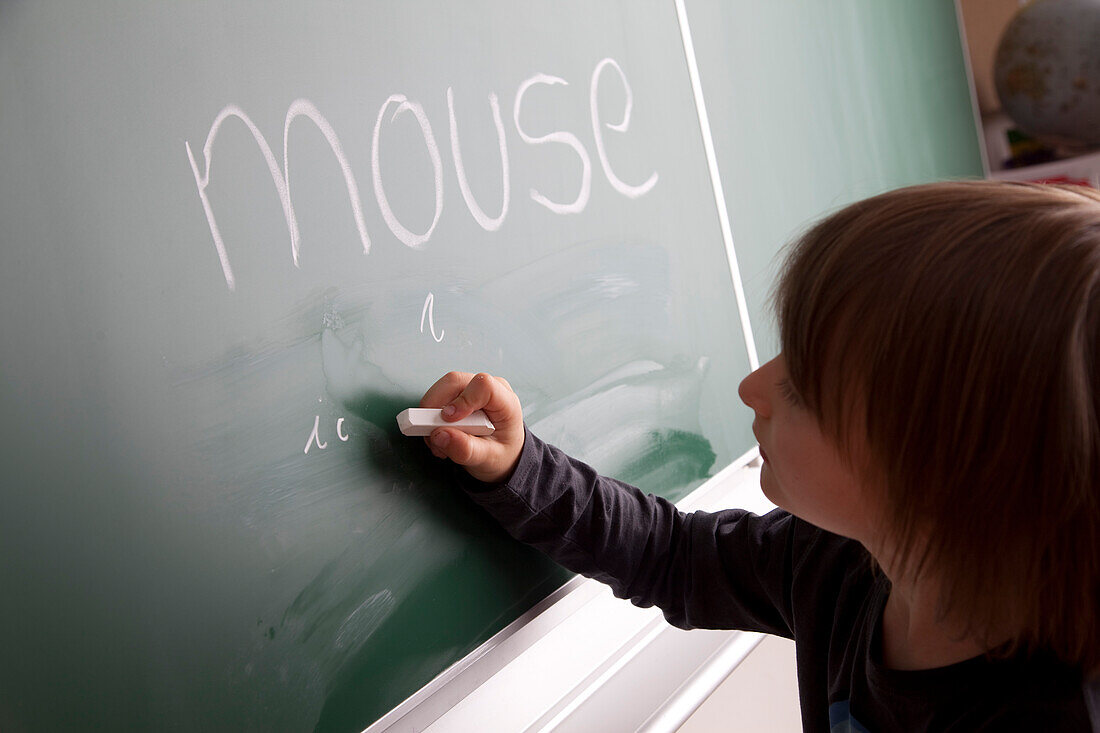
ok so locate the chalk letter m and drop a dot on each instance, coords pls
(281, 178)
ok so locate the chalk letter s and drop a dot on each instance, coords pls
(565, 138)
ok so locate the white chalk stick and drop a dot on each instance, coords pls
(423, 420)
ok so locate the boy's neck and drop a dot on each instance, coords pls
(914, 638)
(914, 634)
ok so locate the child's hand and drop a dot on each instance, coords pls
(492, 458)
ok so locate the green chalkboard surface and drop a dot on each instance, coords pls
(236, 238)
(814, 105)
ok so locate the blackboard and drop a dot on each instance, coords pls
(236, 239)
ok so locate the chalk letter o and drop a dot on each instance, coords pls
(410, 239)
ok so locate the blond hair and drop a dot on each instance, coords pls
(954, 328)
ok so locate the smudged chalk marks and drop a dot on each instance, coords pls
(363, 621)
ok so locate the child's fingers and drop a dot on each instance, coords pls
(485, 459)
(491, 458)
(437, 452)
(463, 449)
(446, 388)
(485, 392)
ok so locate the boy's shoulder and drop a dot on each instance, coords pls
(823, 572)
(816, 553)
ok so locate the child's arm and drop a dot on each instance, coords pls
(722, 570)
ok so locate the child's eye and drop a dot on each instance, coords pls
(786, 390)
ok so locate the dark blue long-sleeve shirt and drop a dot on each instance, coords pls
(776, 574)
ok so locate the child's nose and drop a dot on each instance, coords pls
(753, 393)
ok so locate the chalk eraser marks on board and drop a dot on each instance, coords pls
(423, 420)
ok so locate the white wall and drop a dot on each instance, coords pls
(761, 694)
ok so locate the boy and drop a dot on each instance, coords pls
(931, 434)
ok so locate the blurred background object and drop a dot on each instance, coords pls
(1047, 70)
(1035, 73)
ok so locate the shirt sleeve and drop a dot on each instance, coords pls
(723, 570)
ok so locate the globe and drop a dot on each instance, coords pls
(1047, 70)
